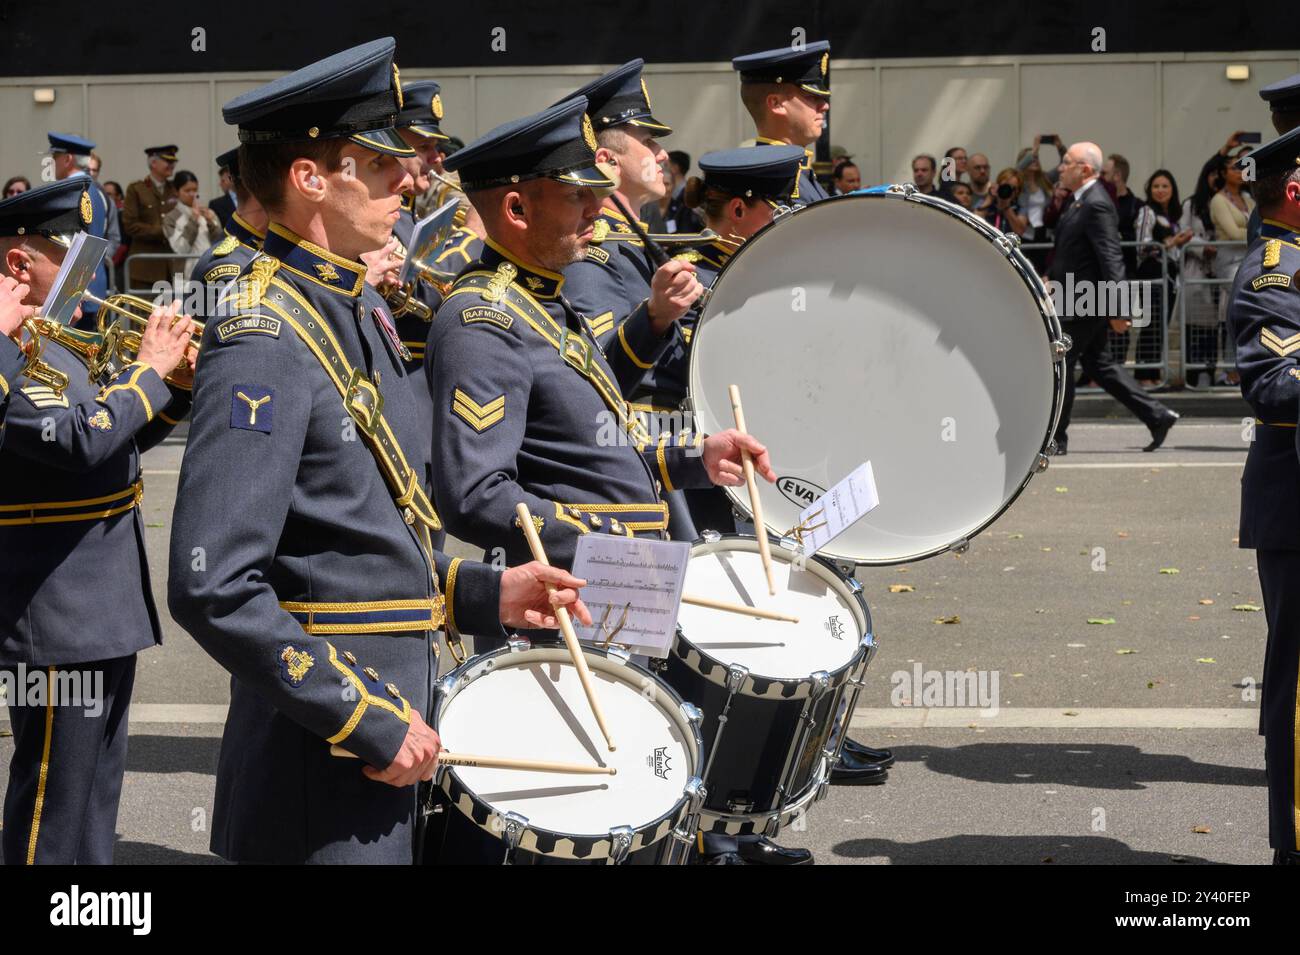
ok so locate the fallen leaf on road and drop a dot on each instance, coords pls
(1203, 830)
(1193, 617)
(1249, 608)
(953, 619)
(1015, 537)
(1125, 652)
(1062, 490)
(1071, 713)
(901, 588)
(1207, 602)
(1101, 620)
(1206, 660)
(1076, 646)
(1168, 570)
(1017, 674)
(1121, 533)
(1005, 569)
(1046, 549)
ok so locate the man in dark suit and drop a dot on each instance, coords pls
(1086, 259)
(224, 204)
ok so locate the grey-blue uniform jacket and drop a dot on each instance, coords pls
(807, 189)
(298, 565)
(1264, 319)
(76, 580)
(611, 286)
(664, 386)
(221, 264)
(527, 409)
(12, 362)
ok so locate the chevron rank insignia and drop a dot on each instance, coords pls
(602, 323)
(295, 664)
(596, 254)
(484, 313)
(43, 396)
(477, 416)
(1277, 344)
(1280, 279)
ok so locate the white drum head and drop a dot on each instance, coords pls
(830, 626)
(537, 710)
(920, 346)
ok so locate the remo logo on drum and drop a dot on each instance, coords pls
(660, 761)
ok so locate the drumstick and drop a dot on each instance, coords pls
(566, 625)
(755, 506)
(712, 604)
(505, 762)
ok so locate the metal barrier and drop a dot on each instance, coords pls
(1143, 350)
(1208, 350)
(147, 291)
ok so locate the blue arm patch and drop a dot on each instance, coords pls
(251, 407)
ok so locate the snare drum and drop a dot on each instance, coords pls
(527, 702)
(892, 327)
(770, 691)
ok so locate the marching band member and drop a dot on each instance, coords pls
(221, 264)
(301, 555)
(70, 492)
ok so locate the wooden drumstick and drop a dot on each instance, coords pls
(566, 625)
(712, 604)
(755, 506)
(505, 762)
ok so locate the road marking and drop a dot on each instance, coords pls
(1103, 717)
(162, 471)
(902, 717)
(1112, 465)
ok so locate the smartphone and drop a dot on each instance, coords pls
(1250, 138)
(1047, 137)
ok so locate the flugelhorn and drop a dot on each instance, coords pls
(136, 311)
(95, 349)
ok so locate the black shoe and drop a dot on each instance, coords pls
(760, 850)
(1283, 857)
(852, 768)
(882, 756)
(1061, 447)
(724, 858)
(1160, 429)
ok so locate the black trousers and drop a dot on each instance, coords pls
(1090, 350)
(1279, 718)
(65, 778)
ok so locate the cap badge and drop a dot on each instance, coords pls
(645, 92)
(86, 211)
(826, 62)
(436, 107)
(397, 86)
(588, 134)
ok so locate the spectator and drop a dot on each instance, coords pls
(1230, 209)
(116, 196)
(953, 170)
(190, 226)
(1000, 211)
(1087, 253)
(1035, 195)
(147, 201)
(224, 205)
(1157, 225)
(980, 170)
(680, 216)
(94, 166)
(654, 212)
(113, 190)
(847, 177)
(1055, 171)
(16, 185)
(923, 171)
(1196, 300)
(959, 192)
(1116, 172)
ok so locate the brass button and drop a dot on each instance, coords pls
(408, 515)
(615, 526)
(371, 673)
(574, 512)
(392, 691)
(350, 657)
(595, 521)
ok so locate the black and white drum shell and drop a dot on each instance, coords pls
(892, 327)
(526, 701)
(776, 676)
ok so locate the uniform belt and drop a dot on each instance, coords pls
(1276, 424)
(58, 512)
(369, 616)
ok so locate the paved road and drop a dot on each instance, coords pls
(1103, 742)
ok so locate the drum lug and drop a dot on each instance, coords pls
(695, 794)
(519, 644)
(736, 677)
(848, 569)
(1007, 243)
(1061, 346)
(792, 544)
(686, 406)
(512, 831)
(904, 189)
(855, 585)
(692, 713)
(821, 681)
(620, 843)
(710, 536)
(702, 302)
(619, 655)
(960, 546)
(1043, 460)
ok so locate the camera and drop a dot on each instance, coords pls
(1006, 191)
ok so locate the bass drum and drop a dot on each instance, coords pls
(892, 327)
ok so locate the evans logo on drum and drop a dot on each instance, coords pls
(798, 491)
(660, 761)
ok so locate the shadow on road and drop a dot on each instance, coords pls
(1010, 850)
(1087, 765)
(173, 754)
(144, 853)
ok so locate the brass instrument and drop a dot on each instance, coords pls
(680, 240)
(136, 312)
(401, 299)
(96, 349)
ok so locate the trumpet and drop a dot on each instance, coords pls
(136, 312)
(96, 349)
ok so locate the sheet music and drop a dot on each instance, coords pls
(643, 578)
(427, 238)
(839, 508)
(85, 252)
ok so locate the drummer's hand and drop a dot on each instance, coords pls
(165, 339)
(12, 310)
(673, 290)
(416, 760)
(525, 601)
(722, 458)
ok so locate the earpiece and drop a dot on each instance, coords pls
(314, 182)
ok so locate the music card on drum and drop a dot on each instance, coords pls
(838, 509)
(634, 591)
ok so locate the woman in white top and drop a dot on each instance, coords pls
(1230, 210)
(1197, 303)
(1158, 225)
(190, 226)
(1035, 194)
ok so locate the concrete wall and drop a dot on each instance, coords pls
(1170, 110)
